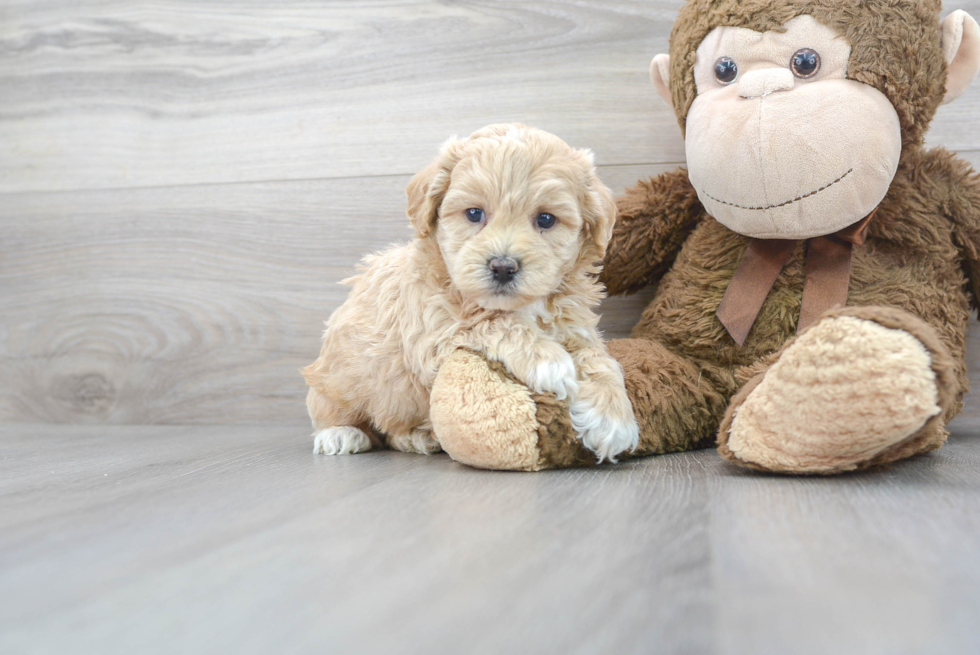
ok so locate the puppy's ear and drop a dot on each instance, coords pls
(426, 190)
(599, 214)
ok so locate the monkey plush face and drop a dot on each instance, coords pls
(780, 144)
(796, 114)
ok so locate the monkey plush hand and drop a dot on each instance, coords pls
(815, 264)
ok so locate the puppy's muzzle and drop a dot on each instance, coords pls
(503, 269)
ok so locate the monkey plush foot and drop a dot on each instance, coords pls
(485, 418)
(863, 386)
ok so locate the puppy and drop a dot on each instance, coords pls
(511, 225)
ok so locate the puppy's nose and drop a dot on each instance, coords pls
(503, 268)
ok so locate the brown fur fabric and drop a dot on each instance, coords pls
(653, 220)
(932, 435)
(917, 274)
(677, 408)
(919, 270)
(895, 48)
(920, 256)
(558, 446)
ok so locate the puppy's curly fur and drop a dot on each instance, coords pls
(478, 204)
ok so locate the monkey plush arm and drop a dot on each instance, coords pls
(654, 218)
(964, 190)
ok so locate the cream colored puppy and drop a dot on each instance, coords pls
(511, 225)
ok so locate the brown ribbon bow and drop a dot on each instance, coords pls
(827, 273)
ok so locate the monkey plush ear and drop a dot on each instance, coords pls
(660, 76)
(427, 188)
(961, 48)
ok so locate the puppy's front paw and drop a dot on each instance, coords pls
(417, 441)
(555, 374)
(601, 433)
(342, 440)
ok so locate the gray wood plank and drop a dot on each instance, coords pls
(185, 305)
(194, 304)
(239, 540)
(100, 94)
(107, 94)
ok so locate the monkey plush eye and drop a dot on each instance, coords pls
(805, 63)
(726, 70)
(545, 221)
(475, 215)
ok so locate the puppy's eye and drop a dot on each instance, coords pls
(726, 70)
(805, 63)
(545, 221)
(475, 215)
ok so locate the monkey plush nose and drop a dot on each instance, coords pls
(760, 83)
(503, 268)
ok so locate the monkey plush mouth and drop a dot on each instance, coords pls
(782, 204)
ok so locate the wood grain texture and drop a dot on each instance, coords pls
(220, 540)
(183, 184)
(149, 275)
(190, 305)
(106, 94)
(195, 304)
(111, 94)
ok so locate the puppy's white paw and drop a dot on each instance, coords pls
(555, 375)
(417, 441)
(603, 434)
(342, 440)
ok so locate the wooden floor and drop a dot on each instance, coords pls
(182, 185)
(238, 540)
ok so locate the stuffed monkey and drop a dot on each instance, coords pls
(815, 265)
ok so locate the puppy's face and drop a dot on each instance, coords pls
(515, 212)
